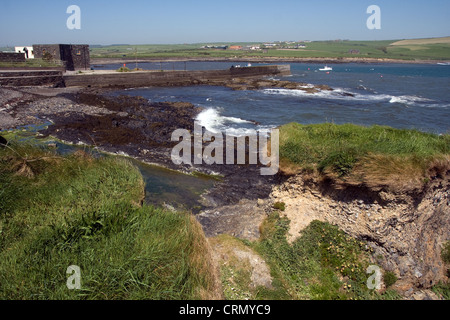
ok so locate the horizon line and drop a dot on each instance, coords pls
(222, 42)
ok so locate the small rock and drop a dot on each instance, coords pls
(261, 202)
(417, 273)
(425, 295)
(3, 142)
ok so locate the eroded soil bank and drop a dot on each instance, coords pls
(405, 230)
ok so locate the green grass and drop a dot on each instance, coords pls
(279, 206)
(374, 154)
(31, 63)
(446, 252)
(123, 69)
(75, 210)
(443, 289)
(322, 264)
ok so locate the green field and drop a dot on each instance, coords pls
(31, 63)
(422, 49)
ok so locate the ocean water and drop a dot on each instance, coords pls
(407, 96)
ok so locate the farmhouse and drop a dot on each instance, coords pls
(29, 52)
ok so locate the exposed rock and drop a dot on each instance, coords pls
(3, 142)
(424, 295)
(240, 220)
(7, 121)
(257, 84)
(406, 231)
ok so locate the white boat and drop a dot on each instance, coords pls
(444, 63)
(326, 68)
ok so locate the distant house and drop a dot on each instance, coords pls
(29, 52)
(235, 48)
(354, 51)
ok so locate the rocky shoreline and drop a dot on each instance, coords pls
(134, 127)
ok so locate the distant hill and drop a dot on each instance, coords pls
(445, 40)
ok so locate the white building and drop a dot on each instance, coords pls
(29, 53)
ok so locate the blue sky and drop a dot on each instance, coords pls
(29, 22)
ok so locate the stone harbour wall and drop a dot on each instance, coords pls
(170, 78)
(12, 57)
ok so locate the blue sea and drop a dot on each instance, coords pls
(411, 96)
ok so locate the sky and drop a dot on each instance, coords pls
(106, 22)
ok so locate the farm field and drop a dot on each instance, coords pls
(409, 50)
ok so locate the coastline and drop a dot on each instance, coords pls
(137, 128)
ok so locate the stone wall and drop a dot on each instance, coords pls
(52, 49)
(135, 79)
(80, 57)
(12, 57)
(171, 78)
(30, 78)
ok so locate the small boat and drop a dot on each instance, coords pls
(444, 63)
(326, 68)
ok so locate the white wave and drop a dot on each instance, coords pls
(398, 100)
(336, 94)
(213, 121)
(239, 132)
(409, 100)
(343, 94)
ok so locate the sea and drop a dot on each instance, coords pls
(405, 96)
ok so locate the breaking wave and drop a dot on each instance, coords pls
(213, 121)
(342, 94)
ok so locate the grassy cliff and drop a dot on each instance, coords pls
(376, 156)
(56, 212)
